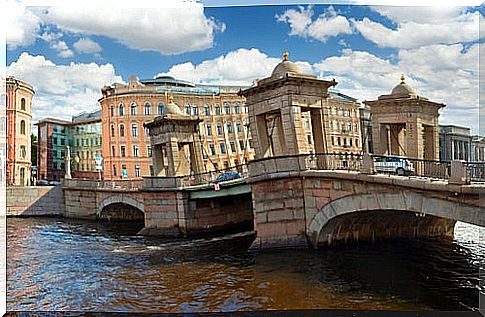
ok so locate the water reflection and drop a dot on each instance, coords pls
(56, 264)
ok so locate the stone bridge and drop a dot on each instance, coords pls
(287, 204)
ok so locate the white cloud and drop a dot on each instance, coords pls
(88, 46)
(420, 26)
(166, 30)
(62, 90)
(443, 73)
(327, 24)
(62, 49)
(22, 25)
(238, 67)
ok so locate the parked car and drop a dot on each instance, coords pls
(42, 182)
(226, 176)
(54, 183)
(393, 164)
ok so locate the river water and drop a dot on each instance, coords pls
(59, 264)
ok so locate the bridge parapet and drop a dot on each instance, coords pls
(89, 184)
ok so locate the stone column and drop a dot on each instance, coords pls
(260, 132)
(172, 157)
(318, 136)
(458, 172)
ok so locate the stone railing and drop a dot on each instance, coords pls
(128, 184)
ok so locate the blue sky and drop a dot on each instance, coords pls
(69, 53)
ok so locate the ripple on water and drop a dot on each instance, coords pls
(74, 265)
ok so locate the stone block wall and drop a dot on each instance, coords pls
(80, 203)
(164, 212)
(35, 201)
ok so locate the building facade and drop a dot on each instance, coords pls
(223, 128)
(82, 134)
(17, 131)
(455, 143)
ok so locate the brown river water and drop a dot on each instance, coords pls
(59, 264)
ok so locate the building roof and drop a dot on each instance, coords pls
(166, 80)
(172, 109)
(402, 89)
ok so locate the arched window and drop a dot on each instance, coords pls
(238, 126)
(236, 107)
(160, 108)
(227, 108)
(207, 110)
(229, 126)
(22, 127)
(187, 110)
(217, 109)
(148, 109)
(112, 111)
(219, 128)
(195, 110)
(112, 130)
(122, 130)
(134, 129)
(121, 110)
(22, 104)
(133, 110)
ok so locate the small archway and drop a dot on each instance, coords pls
(121, 209)
(377, 216)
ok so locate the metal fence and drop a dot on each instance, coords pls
(476, 171)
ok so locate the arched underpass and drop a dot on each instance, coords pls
(380, 216)
(378, 225)
(121, 212)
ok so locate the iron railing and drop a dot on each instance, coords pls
(418, 167)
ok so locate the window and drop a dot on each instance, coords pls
(22, 127)
(63, 141)
(350, 142)
(77, 142)
(212, 149)
(112, 130)
(54, 141)
(147, 132)
(137, 171)
(309, 138)
(338, 141)
(207, 110)
(148, 109)
(238, 126)
(236, 107)
(246, 108)
(133, 110)
(134, 129)
(333, 140)
(187, 110)
(111, 111)
(123, 151)
(222, 146)
(114, 170)
(22, 104)
(229, 127)
(54, 165)
(226, 165)
(227, 108)
(62, 165)
(208, 127)
(160, 108)
(63, 153)
(122, 130)
(135, 151)
(149, 151)
(152, 171)
(219, 128)
(54, 153)
(124, 171)
(195, 110)
(241, 145)
(121, 110)
(233, 147)
(23, 151)
(217, 110)
(113, 151)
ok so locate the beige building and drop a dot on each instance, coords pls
(223, 128)
(17, 131)
(405, 124)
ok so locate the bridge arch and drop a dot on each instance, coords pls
(442, 214)
(121, 208)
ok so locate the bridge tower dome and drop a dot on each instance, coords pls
(276, 104)
(405, 124)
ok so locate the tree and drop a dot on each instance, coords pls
(33, 146)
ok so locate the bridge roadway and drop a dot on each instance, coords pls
(286, 206)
